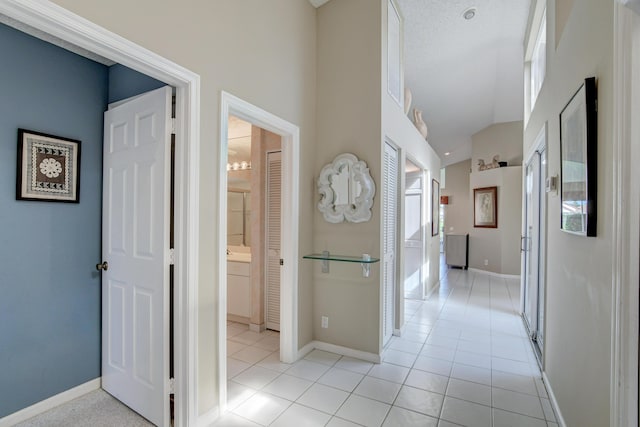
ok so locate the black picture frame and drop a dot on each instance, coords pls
(48, 168)
(579, 161)
(435, 207)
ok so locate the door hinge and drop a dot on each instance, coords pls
(173, 125)
(172, 385)
(172, 256)
(281, 261)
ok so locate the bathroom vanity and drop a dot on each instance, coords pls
(239, 287)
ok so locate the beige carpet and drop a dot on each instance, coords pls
(95, 409)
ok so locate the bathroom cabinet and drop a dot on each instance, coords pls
(239, 289)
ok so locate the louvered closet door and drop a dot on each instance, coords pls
(273, 227)
(390, 220)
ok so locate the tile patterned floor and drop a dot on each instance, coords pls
(463, 360)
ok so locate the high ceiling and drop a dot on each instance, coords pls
(464, 74)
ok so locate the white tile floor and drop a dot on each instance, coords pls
(463, 359)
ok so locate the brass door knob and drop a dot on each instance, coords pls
(104, 266)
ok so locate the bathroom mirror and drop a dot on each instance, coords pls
(238, 218)
(346, 190)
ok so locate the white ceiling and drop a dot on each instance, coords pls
(464, 75)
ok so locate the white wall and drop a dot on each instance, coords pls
(500, 247)
(356, 114)
(459, 211)
(275, 71)
(578, 286)
(397, 128)
(504, 139)
(348, 120)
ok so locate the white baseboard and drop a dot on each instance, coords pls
(432, 291)
(50, 403)
(209, 418)
(491, 273)
(553, 400)
(257, 328)
(338, 349)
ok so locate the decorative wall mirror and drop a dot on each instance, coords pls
(346, 190)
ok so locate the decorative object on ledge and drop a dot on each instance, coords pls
(346, 190)
(444, 200)
(48, 168)
(365, 261)
(485, 207)
(420, 124)
(579, 161)
(407, 100)
(435, 207)
(495, 163)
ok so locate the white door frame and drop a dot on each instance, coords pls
(423, 218)
(539, 146)
(68, 27)
(626, 218)
(290, 134)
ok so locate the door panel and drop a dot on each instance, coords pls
(414, 237)
(533, 283)
(273, 233)
(531, 242)
(135, 310)
(390, 220)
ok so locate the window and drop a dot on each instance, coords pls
(539, 60)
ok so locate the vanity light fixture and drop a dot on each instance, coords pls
(469, 14)
(238, 166)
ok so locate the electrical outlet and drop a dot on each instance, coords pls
(486, 262)
(325, 322)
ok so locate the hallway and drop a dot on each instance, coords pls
(463, 359)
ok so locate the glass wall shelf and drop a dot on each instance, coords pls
(365, 261)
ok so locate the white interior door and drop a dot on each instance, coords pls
(390, 221)
(533, 298)
(273, 233)
(135, 244)
(413, 236)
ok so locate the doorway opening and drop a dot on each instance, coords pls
(277, 145)
(254, 177)
(414, 232)
(50, 19)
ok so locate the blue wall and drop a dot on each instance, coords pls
(125, 83)
(50, 291)
(49, 287)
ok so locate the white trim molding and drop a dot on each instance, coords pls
(290, 134)
(50, 403)
(338, 349)
(554, 402)
(491, 273)
(52, 19)
(626, 219)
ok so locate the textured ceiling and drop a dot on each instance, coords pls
(464, 75)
